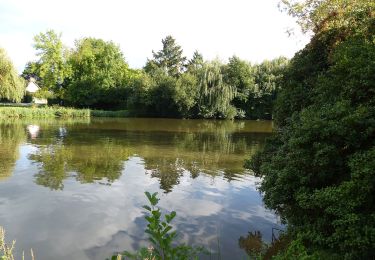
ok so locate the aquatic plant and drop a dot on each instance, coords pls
(162, 237)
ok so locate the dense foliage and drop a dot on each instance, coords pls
(51, 68)
(169, 59)
(318, 170)
(95, 74)
(99, 74)
(12, 87)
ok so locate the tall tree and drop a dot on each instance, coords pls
(51, 67)
(169, 59)
(12, 87)
(324, 15)
(215, 95)
(195, 63)
(268, 77)
(99, 74)
(186, 95)
(318, 170)
(240, 74)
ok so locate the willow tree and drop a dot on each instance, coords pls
(215, 96)
(12, 86)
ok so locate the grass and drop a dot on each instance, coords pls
(6, 249)
(103, 113)
(42, 112)
(56, 112)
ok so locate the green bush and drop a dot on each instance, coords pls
(319, 169)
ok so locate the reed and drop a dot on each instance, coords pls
(6, 249)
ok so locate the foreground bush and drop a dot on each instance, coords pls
(319, 169)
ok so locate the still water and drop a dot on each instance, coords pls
(75, 189)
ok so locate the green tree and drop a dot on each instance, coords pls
(329, 15)
(240, 74)
(186, 95)
(162, 95)
(268, 77)
(169, 59)
(318, 170)
(51, 67)
(12, 87)
(166, 96)
(99, 75)
(195, 63)
(215, 96)
(138, 97)
(256, 85)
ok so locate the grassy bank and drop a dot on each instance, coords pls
(43, 112)
(103, 113)
(56, 112)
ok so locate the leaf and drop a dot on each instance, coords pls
(171, 216)
(148, 208)
(148, 195)
(166, 230)
(153, 241)
(149, 219)
(156, 213)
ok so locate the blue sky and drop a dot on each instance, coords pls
(251, 29)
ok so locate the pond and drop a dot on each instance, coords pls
(74, 189)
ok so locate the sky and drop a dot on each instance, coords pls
(253, 30)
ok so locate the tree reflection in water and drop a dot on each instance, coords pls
(96, 151)
(252, 244)
(10, 137)
(102, 162)
(256, 248)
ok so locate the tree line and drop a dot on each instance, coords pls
(95, 74)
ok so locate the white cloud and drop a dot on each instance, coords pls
(253, 30)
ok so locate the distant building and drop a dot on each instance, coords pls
(31, 89)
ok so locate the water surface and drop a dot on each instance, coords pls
(74, 189)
